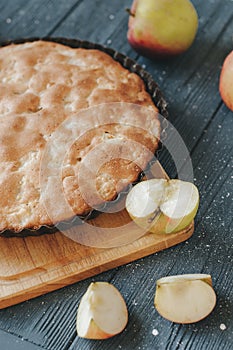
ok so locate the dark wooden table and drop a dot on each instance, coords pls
(190, 86)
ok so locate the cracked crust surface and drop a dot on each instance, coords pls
(43, 84)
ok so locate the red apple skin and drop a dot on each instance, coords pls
(151, 48)
(147, 44)
(226, 81)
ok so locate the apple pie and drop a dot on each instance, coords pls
(46, 88)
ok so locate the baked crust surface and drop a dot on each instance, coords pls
(42, 84)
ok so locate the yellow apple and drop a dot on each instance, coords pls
(162, 27)
(226, 81)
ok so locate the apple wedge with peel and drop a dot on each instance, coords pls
(102, 312)
(163, 206)
(185, 298)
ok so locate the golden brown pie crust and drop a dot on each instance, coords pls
(41, 85)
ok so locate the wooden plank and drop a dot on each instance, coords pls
(20, 19)
(106, 26)
(103, 19)
(12, 342)
(190, 82)
(36, 265)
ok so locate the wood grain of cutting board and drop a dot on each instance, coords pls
(32, 266)
(35, 265)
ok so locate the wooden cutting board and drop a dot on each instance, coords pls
(33, 266)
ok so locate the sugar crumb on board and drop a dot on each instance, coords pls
(222, 327)
(155, 332)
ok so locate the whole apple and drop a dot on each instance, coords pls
(226, 81)
(162, 27)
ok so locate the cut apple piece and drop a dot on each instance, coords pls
(102, 312)
(163, 206)
(185, 298)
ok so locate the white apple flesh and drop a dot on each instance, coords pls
(162, 27)
(185, 298)
(163, 206)
(102, 312)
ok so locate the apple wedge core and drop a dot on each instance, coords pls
(102, 312)
(163, 206)
(185, 298)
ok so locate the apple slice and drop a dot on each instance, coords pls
(163, 206)
(185, 298)
(102, 312)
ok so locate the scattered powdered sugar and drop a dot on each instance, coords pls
(222, 327)
(155, 332)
